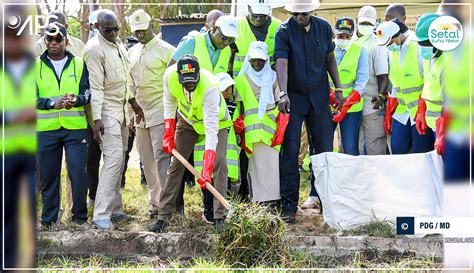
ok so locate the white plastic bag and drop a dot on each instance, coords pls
(355, 188)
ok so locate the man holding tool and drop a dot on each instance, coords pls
(201, 111)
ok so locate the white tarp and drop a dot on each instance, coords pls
(355, 188)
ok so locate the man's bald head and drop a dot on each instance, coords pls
(395, 11)
(57, 16)
(212, 17)
(108, 25)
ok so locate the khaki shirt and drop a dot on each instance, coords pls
(75, 46)
(109, 78)
(148, 64)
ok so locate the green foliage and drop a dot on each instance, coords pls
(74, 27)
(376, 228)
(253, 235)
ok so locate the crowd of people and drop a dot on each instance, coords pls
(234, 99)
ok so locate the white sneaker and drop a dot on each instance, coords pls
(311, 203)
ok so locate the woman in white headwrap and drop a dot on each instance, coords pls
(260, 124)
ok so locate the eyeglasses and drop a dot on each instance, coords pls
(57, 38)
(258, 16)
(304, 14)
(109, 30)
(225, 38)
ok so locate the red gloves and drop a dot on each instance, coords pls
(282, 121)
(239, 128)
(209, 158)
(168, 136)
(441, 126)
(353, 98)
(332, 95)
(392, 104)
(239, 125)
(420, 119)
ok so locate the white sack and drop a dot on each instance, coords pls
(354, 188)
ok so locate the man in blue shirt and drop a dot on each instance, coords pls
(347, 55)
(304, 54)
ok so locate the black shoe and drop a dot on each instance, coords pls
(288, 217)
(208, 216)
(158, 227)
(79, 221)
(219, 225)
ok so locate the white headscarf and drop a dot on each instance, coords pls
(263, 78)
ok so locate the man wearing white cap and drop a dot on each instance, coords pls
(376, 88)
(406, 76)
(304, 56)
(148, 60)
(92, 20)
(211, 48)
(258, 25)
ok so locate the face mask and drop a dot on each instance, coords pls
(342, 44)
(94, 32)
(427, 52)
(394, 47)
(365, 30)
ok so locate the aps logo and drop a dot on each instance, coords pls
(445, 33)
(32, 23)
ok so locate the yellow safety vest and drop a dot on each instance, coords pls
(432, 91)
(406, 79)
(256, 129)
(456, 82)
(348, 73)
(48, 87)
(19, 137)
(202, 54)
(246, 37)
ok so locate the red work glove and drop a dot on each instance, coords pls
(353, 98)
(242, 144)
(441, 126)
(168, 136)
(331, 97)
(420, 119)
(209, 158)
(282, 121)
(239, 125)
(392, 104)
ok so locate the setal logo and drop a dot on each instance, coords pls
(446, 33)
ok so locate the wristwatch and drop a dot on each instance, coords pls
(52, 103)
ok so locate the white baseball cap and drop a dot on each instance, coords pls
(93, 16)
(228, 25)
(258, 50)
(385, 32)
(139, 20)
(260, 8)
(224, 81)
(367, 14)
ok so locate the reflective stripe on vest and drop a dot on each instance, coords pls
(18, 138)
(406, 79)
(256, 129)
(194, 113)
(48, 87)
(246, 37)
(348, 73)
(232, 155)
(202, 54)
(432, 92)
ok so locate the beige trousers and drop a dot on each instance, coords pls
(374, 134)
(185, 139)
(108, 199)
(155, 161)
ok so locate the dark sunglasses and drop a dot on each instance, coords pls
(57, 38)
(304, 14)
(109, 30)
(225, 38)
(257, 16)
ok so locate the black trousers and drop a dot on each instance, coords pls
(320, 128)
(50, 153)
(92, 163)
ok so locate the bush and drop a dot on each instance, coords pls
(253, 236)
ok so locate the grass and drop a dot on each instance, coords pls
(376, 228)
